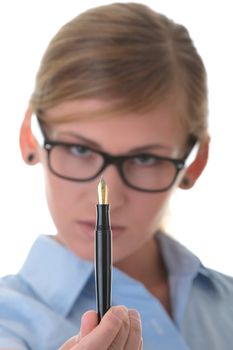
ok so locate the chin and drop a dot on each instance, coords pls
(120, 255)
(84, 254)
(82, 250)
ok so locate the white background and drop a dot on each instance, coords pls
(200, 218)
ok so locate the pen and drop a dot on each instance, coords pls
(103, 252)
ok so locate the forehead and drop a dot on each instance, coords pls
(161, 124)
(97, 108)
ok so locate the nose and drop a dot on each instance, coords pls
(117, 191)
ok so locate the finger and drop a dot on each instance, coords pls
(121, 338)
(135, 332)
(105, 333)
(88, 323)
(70, 343)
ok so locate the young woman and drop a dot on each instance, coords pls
(121, 91)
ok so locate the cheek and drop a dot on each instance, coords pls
(151, 210)
(61, 195)
(67, 199)
(144, 218)
(58, 200)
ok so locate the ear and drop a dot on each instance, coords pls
(193, 172)
(28, 144)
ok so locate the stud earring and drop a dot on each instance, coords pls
(186, 181)
(31, 157)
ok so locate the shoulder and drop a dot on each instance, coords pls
(218, 285)
(208, 320)
(181, 262)
(14, 284)
(26, 320)
(222, 282)
(15, 301)
(211, 296)
(16, 298)
(36, 302)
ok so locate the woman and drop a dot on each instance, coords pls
(118, 82)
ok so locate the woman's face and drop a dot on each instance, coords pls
(135, 216)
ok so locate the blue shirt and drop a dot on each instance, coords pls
(41, 306)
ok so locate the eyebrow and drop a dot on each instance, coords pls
(82, 138)
(96, 145)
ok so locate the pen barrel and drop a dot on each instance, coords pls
(103, 217)
(103, 260)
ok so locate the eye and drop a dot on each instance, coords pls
(145, 160)
(79, 151)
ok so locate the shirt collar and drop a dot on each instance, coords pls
(184, 268)
(178, 259)
(50, 265)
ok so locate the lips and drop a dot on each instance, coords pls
(88, 228)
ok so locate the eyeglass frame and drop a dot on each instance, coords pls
(117, 161)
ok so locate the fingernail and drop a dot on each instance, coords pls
(77, 338)
(85, 314)
(119, 311)
(135, 314)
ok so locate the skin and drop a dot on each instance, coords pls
(120, 328)
(162, 133)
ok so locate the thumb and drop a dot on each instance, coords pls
(88, 322)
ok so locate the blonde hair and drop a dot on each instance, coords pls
(127, 53)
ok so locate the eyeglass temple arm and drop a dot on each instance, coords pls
(37, 130)
(192, 154)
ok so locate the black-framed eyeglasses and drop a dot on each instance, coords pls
(144, 172)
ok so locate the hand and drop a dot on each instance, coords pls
(120, 329)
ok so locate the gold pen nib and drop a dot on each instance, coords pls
(102, 192)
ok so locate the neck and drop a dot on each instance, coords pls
(145, 265)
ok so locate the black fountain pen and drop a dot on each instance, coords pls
(103, 252)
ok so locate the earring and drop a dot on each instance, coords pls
(30, 157)
(186, 181)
